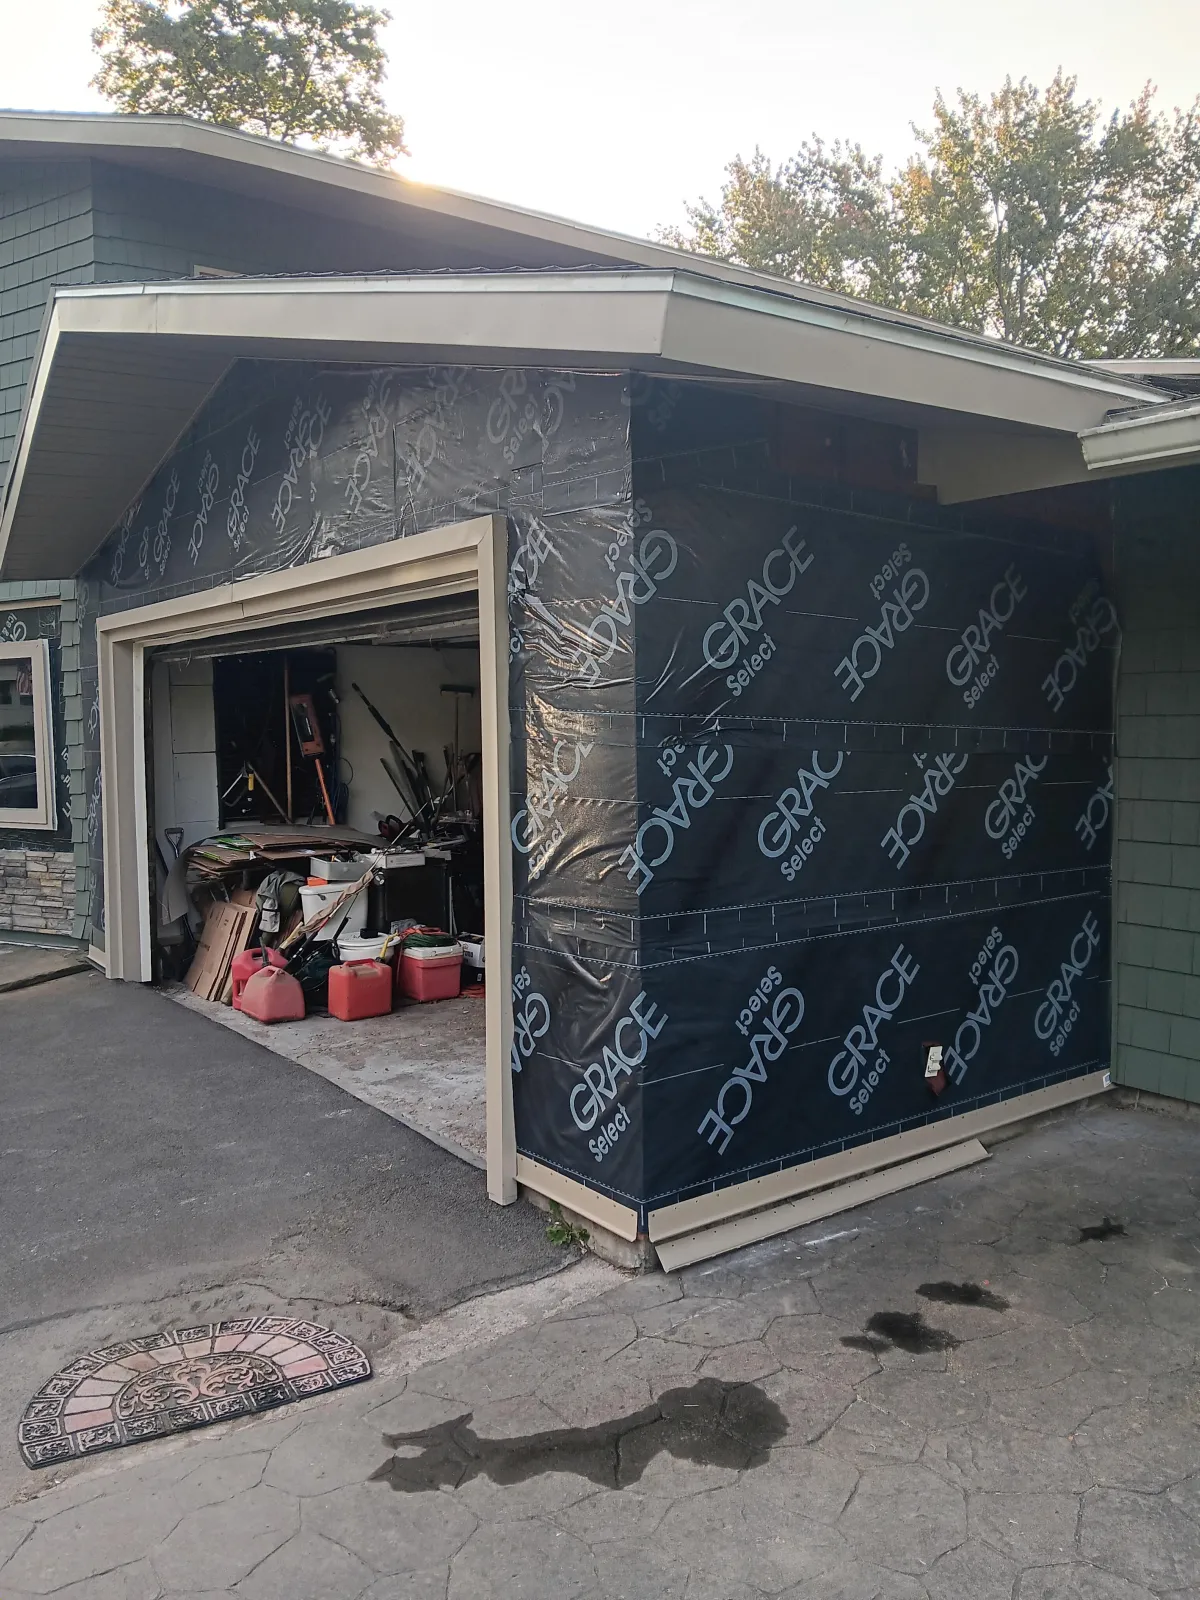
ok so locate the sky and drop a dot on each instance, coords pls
(618, 112)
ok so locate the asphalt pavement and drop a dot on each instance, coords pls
(158, 1168)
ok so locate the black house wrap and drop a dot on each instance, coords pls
(804, 778)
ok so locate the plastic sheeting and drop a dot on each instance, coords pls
(804, 781)
(873, 790)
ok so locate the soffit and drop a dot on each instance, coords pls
(122, 369)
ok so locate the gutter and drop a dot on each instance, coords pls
(1156, 436)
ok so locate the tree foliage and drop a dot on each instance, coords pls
(289, 69)
(1026, 214)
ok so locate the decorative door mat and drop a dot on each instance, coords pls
(168, 1382)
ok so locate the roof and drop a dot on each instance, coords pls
(249, 164)
(121, 369)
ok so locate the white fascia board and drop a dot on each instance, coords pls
(1166, 436)
(705, 323)
(553, 313)
(923, 365)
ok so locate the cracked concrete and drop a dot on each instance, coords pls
(1048, 1450)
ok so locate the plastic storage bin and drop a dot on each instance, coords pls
(315, 898)
(430, 973)
(360, 989)
(330, 870)
(273, 996)
(247, 964)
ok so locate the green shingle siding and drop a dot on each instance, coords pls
(45, 238)
(1157, 851)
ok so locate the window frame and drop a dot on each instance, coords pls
(43, 816)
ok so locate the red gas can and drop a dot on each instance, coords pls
(360, 989)
(273, 996)
(247, 964)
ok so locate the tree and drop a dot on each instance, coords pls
(1025, 215)
(288, 69)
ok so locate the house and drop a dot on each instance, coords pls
(788, 627)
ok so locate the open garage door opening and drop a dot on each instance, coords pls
(291, 762)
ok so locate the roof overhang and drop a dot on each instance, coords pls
(1140, 441)
(121, 370)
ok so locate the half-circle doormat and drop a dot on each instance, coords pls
(167, 1382)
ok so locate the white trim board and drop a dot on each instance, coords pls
(704, 1243)
(669, 1222)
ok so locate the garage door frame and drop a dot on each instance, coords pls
(455, 559)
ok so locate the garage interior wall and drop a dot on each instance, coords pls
(405, 683)
(185, 752)
(1157, 855)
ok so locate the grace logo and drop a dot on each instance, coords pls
(514, 413)
(725, 641)
(594, 1097)
(767, 1043)
(1004, 819)
(654, 398)
(909, 827)
(13, 630)
(1096, 813)
(375, 414)
(1098, 619)
(122, 545)
(692, 791)
(856, 669)
(996, 965)
(535, 830)
(210, 478)
(303, 440)
(238, 519)
(791, 825)
(970, 656)
(861, 1061)
(638, 516)
(589, 649)
(1059, 1012)
(531, 1019)
(421, 454)
(95, 800)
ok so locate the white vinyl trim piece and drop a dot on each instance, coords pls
(597, 1208)
(719, 1205)
(43, 815)
(705, 1243)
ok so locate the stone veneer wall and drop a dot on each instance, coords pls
(37, 891)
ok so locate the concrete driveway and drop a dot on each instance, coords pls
(983, 1389)
(157, 1170)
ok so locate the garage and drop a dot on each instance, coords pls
(787, 700)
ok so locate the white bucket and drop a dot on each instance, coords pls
(363, 946)
(316, 898)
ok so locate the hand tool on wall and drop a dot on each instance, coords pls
(312, 742)
(411, 764)
(455, 770)
(287, 732)
(250, 775)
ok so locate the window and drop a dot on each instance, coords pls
(26, 742)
